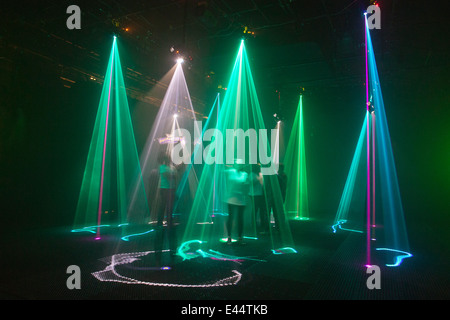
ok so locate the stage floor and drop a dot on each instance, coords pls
(325, 266)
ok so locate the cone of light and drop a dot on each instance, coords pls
(240, 110)
(296, 203)
(348, 194)
(392, 238)
(112, 166)
(175, 114)
(395, 233)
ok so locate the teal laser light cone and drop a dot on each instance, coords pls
(112, 167)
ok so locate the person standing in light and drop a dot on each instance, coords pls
(258, 200)
(167, 174)
(237, 197)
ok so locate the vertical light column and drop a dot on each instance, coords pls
(368, 216)
(296, 202)
(373, 177)
(102, 190)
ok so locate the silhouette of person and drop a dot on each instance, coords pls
(166, 190)
(282, 180)
(275, 202)
(237, 194)
(258, 200)
(278, 210)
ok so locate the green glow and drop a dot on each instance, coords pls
(87, 207)
(240, 110)
(121, 162)
(296, 203)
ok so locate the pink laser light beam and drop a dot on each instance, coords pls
(368, 146)
(99, 217)
(373, 174)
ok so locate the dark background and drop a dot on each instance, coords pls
(48, 101)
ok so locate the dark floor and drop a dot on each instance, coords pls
(326, 266)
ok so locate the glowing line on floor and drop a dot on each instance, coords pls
(183, 252)
(399, 258)
(91, 229)
(110, 274)
(339, 225)
(127, 238)
(284, 250)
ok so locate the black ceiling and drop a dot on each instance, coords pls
(296, 43)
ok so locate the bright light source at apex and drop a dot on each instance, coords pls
(175, 115)
(180, 60)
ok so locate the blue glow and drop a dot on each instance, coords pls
(184, 248)
(347, 194)
(351, 230)
(91, 229)
(123, 224)
(284, 250)
(127, 238)
(216, 255)
(339, 224)
(334, 226)
(398, 258)
(392, 208)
